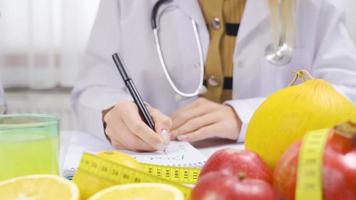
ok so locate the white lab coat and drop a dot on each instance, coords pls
(322, 46)
(2, 99)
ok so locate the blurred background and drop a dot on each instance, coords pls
(41, 45)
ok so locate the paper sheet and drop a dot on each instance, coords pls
(177, 154)
(180, 154)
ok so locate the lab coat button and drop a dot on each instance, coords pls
(213, 81)
(216, 23)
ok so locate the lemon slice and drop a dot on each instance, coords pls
(140, 191)
(38, 187)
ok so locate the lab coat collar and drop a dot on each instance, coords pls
(256, 11)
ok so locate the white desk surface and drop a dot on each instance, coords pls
(206, 147)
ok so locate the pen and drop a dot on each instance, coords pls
(133, 91)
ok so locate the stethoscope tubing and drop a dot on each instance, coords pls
(277, 55)
(155, 29)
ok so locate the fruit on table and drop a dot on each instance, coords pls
(38, 187)
(121, 158)
(338, 171)
(140, 191)
(234, 174)
(221, 186)
(234, 162)
(96, 184)
(288, 114)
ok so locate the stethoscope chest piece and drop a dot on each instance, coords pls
(279, 55)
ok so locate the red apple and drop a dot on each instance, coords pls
(339, 169)
(234, 162)
(220, 186)
(349, 161)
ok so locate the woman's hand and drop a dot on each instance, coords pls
(126, 130)
(204, 119)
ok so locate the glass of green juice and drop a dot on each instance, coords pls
(29, 144)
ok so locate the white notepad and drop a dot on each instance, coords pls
(180, 154)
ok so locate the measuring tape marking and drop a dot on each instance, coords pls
(177, 174)
(309, 176)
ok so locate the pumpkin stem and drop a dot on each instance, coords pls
(347, 130)
(302, 74)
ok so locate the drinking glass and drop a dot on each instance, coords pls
(29, 144)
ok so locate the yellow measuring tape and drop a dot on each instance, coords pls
(183, 175)
(95, 173)
(309, 178)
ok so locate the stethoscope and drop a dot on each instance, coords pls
(200, 88)
(279, 54)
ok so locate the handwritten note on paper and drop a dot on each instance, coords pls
(180, 154)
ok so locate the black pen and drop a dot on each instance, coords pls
(133, 91)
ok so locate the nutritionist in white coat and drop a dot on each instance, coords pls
(230, 53)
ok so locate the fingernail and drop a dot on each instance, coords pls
(166, 136)
(182, 137)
